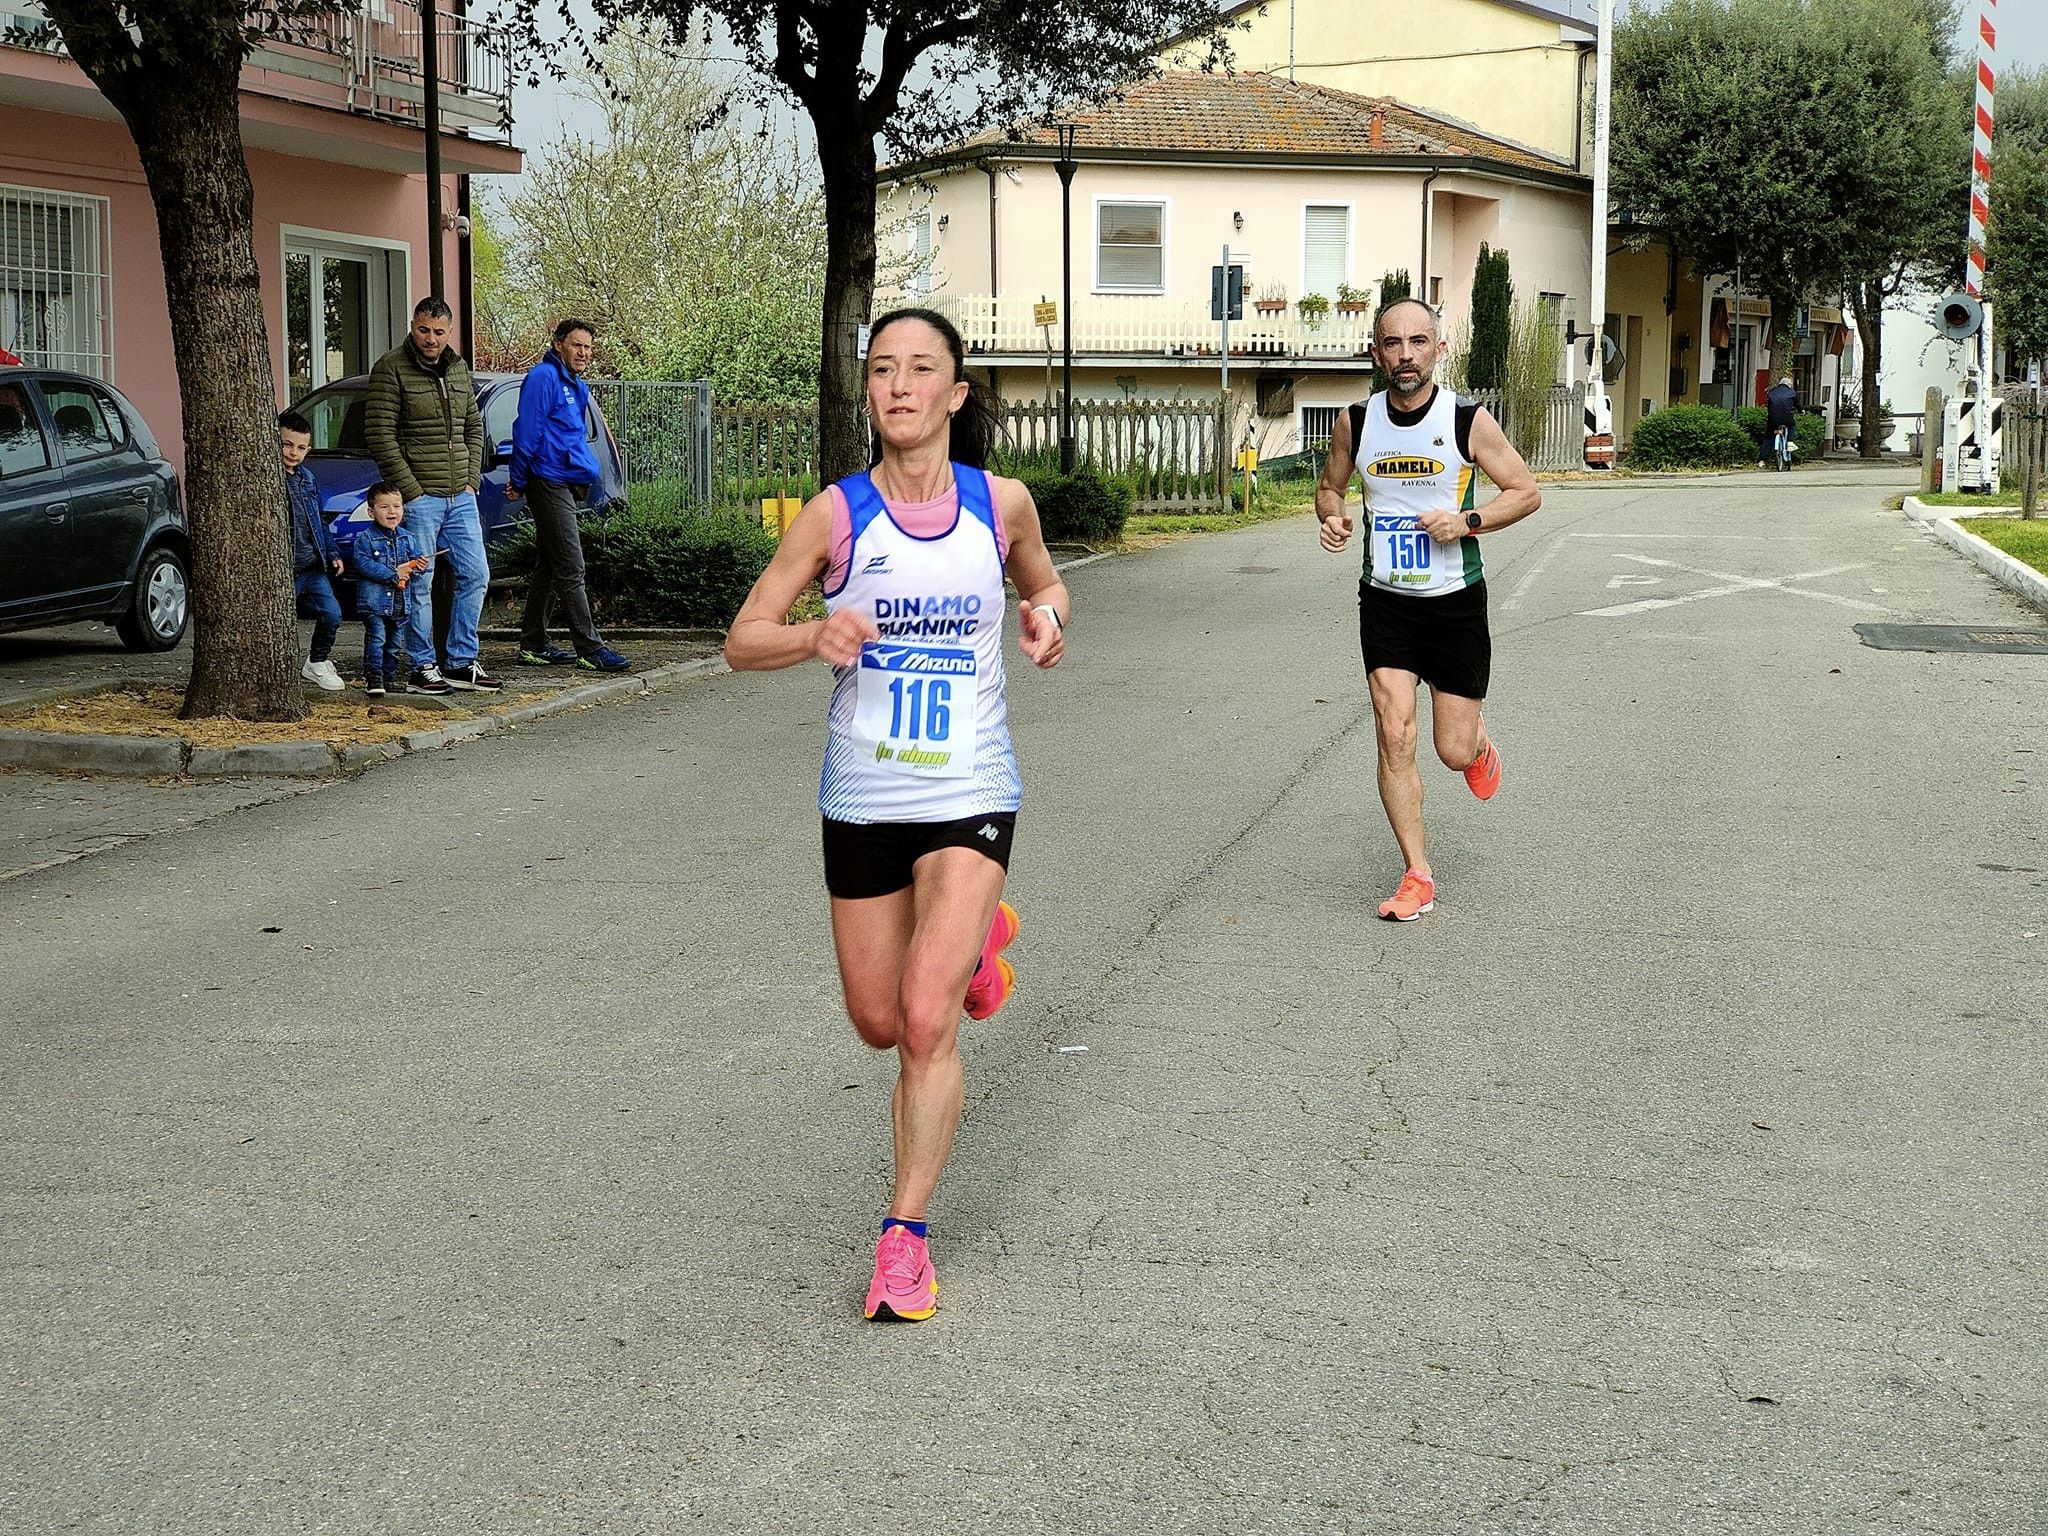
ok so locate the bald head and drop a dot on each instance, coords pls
(1395, 319)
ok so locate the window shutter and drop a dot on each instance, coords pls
(1129, 252)
(1326, 249)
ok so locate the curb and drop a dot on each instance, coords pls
(2020, 577)
(164, 756)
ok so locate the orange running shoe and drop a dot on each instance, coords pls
(994, 978)
(1483, 777)
(904, 1286)
(1416, 895)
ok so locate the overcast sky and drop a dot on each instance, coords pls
(2022, 43)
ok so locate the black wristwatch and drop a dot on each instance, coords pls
(1472, 521)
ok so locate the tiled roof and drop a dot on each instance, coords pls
(1188, 111)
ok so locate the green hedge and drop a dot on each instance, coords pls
(656, 566)
(1689, 437)
(1085, 506)
(1809, 430)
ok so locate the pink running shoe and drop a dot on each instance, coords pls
(994, 977)
(1483, 777)
(1414, 896)
(904, 1286)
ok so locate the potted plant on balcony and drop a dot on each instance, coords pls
(1351, 301)
(1313, 307)
(1272, 299)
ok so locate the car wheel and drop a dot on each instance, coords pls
(156, 616)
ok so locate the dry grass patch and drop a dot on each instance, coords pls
(154, 712)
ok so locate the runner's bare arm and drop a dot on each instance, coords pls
(1030, 567)
(1497, 459)
(762, 638)
(1333, 522)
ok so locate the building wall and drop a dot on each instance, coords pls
(57, 152)
(1511, 74)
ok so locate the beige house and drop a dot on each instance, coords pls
(1315, 192)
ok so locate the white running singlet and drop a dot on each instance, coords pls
(1406, 471)
(919, 728)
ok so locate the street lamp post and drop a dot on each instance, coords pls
(1065, 166)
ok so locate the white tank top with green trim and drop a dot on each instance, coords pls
(1407, 470)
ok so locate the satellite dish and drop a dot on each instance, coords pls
(1960, 317)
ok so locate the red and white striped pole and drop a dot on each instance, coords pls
(1980, 161)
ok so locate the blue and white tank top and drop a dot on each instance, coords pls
(919, 729)
(1407, 468)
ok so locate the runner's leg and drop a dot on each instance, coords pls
(1393, 712)
(1455, 723)
(872, 936)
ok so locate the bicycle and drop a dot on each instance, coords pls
(1781, 449)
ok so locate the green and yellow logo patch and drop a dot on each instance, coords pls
(1404, 468)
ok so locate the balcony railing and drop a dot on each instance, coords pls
(367, 61)
(1124, 326)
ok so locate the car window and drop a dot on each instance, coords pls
(336, 415)
(88, 426)
(22, 448)
(501, 414)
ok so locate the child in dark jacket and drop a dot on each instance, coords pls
(313, 557)
(386, 560)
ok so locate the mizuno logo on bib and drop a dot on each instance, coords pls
(915, 709)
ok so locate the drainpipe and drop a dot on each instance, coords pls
(464, 269)
(988, 169)
(1422, 281)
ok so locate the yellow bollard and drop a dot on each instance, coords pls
(778, 512)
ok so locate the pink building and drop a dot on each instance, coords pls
(332, 127)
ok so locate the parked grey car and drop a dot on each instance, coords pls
(91, 526)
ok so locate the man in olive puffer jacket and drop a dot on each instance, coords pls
(422, 426)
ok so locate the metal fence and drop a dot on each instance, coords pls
(1172, 450)
(1554, 441)
(695, 452)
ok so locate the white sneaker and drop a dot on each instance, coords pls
(323, 673)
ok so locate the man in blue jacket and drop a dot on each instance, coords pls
(554, 469)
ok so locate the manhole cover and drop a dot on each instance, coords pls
(1973, 639)
(1256, 570)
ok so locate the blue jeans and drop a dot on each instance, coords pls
(451, 523)
(384, 653)
(317, 602)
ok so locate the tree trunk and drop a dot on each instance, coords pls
(1868, 299)
(180, 94)
(847, 157)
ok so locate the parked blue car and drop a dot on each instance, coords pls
(343, 469)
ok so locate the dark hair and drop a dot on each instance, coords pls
(383, 488)
(977, 427)
(292, 421)
(434, 307)
(569, 327)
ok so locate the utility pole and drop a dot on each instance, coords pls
(1065, 167)
(1599, 413)
(430, 116)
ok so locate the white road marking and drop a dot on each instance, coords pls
(1733, 584)
(1739, 538)
(1630, 579)
(1522, 587)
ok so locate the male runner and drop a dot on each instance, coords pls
(1422, 600)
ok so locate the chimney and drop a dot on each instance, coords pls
(1377, 135)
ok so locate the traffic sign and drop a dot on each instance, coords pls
(1045, 314)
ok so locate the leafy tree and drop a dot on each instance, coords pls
(2016, 258)
(1493, 302)
(694, 242)
(1806, 141)
(172, 69)
(916, 74)
(1393, 285)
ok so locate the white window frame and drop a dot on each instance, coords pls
(1301, 437)
(1151, 200)
(919, 236)
(1350, 242)
(96, 362)
(299, 239)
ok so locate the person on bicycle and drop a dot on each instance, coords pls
(1782, 403)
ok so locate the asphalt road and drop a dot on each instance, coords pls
(476, 1146)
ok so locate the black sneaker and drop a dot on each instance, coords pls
(426, 679)
(374, 687)
(472, 678)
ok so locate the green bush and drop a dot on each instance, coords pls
(1086, 506)
(1689, 437)
(1809, 429)
(655, 565)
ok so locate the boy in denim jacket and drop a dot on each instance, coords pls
(386, 559)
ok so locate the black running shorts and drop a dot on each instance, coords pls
(864, 859)
(1442, 640)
